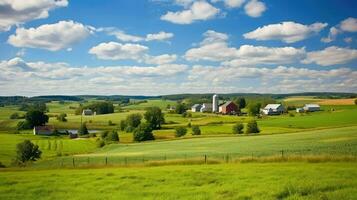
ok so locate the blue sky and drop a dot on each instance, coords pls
(157, 47)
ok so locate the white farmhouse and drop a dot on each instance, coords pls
(311, 107)
(206, 107)
(196, 108)
(273, 109)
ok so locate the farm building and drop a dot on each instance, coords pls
(87, 112)
(273, 109)
(43, 130)
(206, 107)
(299, 110)
(228, 108)
(196, 108)
(312, 107)
(215, 103)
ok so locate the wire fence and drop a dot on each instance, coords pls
(197, 158)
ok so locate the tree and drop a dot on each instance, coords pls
(196, 130)
(83, 129)
(36, 118)
(112, 136)
(252, 127)
(238, 128)
(122, 125)
(241, 103)
(133, 120)
(154, 117)
(180, 131)
(180, 108)
(143, 132)
(23, 125)
(254, 109)
(62, 117)
(15, 116)
(27, 151)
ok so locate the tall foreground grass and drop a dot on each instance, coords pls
(285, 180)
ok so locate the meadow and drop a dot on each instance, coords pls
(224, 181)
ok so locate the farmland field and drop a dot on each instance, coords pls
(225, 181)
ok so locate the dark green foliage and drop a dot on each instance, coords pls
(154, 117)
(189, 125)
(104, 134)
(92, 135)
(238, 128)
(129, 129)
(355, 101)
(98, 107)
(41, 106)
(27, 151)
(110, 123)
(15, 116)
(83, 129)
(122, 125)
(36, 118)
(2, 165)
(23, 125)
(196, 130)
(100, 143)
(240, 102)
(180, 131)
(62, 117)
(180, 108)
(252, 127)
(143, 133)
(133, 120)
(254, 108)
(112, 137)
(291, 115)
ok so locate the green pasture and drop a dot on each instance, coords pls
(150, 103)
(225, 181)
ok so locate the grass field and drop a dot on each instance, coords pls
(226, 181)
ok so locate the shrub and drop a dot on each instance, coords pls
(238, 128)
(23, 125)
(254, 109)
(291, 115)
(189, 125)
(252, 127)
(143, 132)
(112, 137)
(180, 108)
(83, 129)
(180, 131)
(27, 151)
(196, 130)
(92, 135)
(110, 123)
(100, 143)
(184, 114)
(15, 116)
(122, 125)
(129, 129)
(62, 117)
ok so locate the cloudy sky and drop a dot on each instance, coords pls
(153, 47)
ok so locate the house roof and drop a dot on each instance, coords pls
(226, 104)
(312, 105)
(196, 106)
(272, 106)
(207, 105)
(44, 128)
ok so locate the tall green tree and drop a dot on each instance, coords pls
(143, 132)
(133, 120)
(254, 109)
(180, 108)
(154, 117)
(83, 129)
(240, 102)
(36, 118)
(27, 151)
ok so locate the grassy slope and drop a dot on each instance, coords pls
(340, 140)
(233, 181)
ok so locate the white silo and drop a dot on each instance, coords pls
(215, 103)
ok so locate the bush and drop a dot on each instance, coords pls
(291, 115)
(189, 125)
(27, 151)
(23, 125)
(129, 129)
(122, 125)
(100, 143)
(252, 127)
(143, 132)
(62, 117)
(112, 137)
(133, 120)
(196, 130)
(104, 134)
(83, 129)
(180, 131)
(238, 128)
(92, 135)
(15, 116)
(110, 123)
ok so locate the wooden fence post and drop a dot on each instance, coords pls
(205, 158)
(73, 162)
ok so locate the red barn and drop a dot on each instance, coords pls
(229, 108)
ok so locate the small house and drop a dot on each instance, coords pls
(311, 107)
(87, 112)
(206, 107)
(43, 130)
(229, 108)
(196, 108)
(299, 110)
(273, 109)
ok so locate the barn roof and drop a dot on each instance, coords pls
(196, 106)
(312, 105)
(272, 106)
(226, 104)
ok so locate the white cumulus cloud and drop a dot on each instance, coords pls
(347, 25)
(288, 32)
(118, 51)
(331, 56)
(254, 8)
(52, 37)
(230, 3)
(16, 12)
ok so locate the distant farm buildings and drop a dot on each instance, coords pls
(196, 108)
(229, 108)
(273, 109)
(88, 112)
(206, 107)
(215, 103)
(309, 108)
(43, 130)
